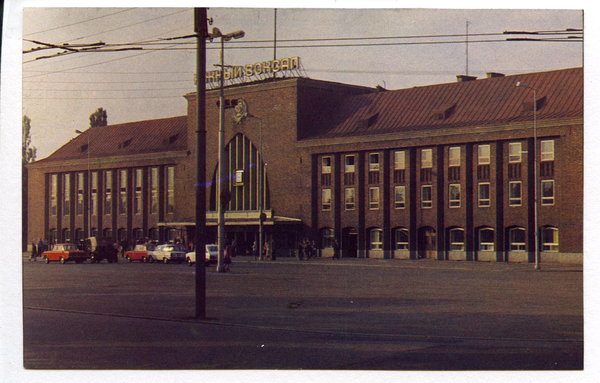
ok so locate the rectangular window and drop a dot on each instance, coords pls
(374, 198)
(326, 165)
(137, 203)
(349, 198)
(454, 156)
(326, 199)
(374, 162)
(547, 150)
(108, 204)
(94, 195)
(80, 193)
(376, 239)
(483, 152)
(400, 160)
(514, 193)
(239, 177)
(66, 194)
(484, 195)
(170, 189)
(426, 158)
(454, 195)
(123, 191)
(548, 192)
(514, 152)
(53, 193)
(426, 197)
(399, 197)
(154, 190)
(349, 164)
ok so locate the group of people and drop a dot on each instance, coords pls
(38, 249)
(308, 250)
(268, 250)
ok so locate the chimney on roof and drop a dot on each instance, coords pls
(465, 78)
(494, 74)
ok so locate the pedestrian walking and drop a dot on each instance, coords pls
(300, 251)
(255, 250)
(227, 257)
(33, 252)
(336, 249)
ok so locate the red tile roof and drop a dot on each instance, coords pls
(473, 103)
(150, 136)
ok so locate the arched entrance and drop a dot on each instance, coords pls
(349, 242)
(427, 242)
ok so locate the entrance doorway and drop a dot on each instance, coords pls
(349, 242)
(427, 242)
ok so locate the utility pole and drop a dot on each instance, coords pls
(201, 29)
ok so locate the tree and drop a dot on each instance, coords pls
(98, 118)
(29, 152)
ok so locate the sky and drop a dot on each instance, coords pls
(60, 92)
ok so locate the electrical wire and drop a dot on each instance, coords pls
(79, 22)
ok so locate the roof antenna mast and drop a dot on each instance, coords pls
(467, 49)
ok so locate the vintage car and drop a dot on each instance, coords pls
(139, 252)
(99, 248)
(211, 255)
(167, 253)
(64, 252)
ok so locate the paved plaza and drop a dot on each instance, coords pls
(351, 314)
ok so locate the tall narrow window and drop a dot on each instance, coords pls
(153, 190)
(484, 194)
(376, 239)
(549, 239)
(137, 204)
(94, 194)
(548, 192)
(457, 239)
(374, 198)
(123, 191)
(399, 197)
(454, 195)
(401, 239)
(326, 165)
(108, 185)
(349, 198)
(53, 193)
(514, 152)
(514, 193)
(349, 164)
(426, 158)
(374, 162)
(399, 160)
(483, 152)
(66, 194)
(486, 239)
(79, 194)
(426, 197)
(326, 199)
(547, 150)
(326, 238)
(454, 156)
(170, 189)
(516, 238)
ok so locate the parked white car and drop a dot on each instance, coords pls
(211, 255)
(167, 253)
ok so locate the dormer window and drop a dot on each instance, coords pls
(125, 144)
(443, 112)
(84, 148)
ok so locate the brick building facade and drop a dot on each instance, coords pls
(441, 171)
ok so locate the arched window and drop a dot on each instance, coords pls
(93, 232)
(376, 239)
(138, 235)
(549, 239)
(401, 239)
(456, 239)
(326, 238)
(486, 239)
(517, 239)
(107, 233)
(66, 234)
(153, 234)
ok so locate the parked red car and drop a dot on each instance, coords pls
(64, 252)
(139, 253)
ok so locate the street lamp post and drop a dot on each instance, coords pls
(259, 188)
(535, 163)
(222, 171)
(89, 178)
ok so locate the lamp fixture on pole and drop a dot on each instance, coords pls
(535, 180)
(89, 178)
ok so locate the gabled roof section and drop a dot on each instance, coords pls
(482, 102)
(150, 136)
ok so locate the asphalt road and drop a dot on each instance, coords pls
(352, 314)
